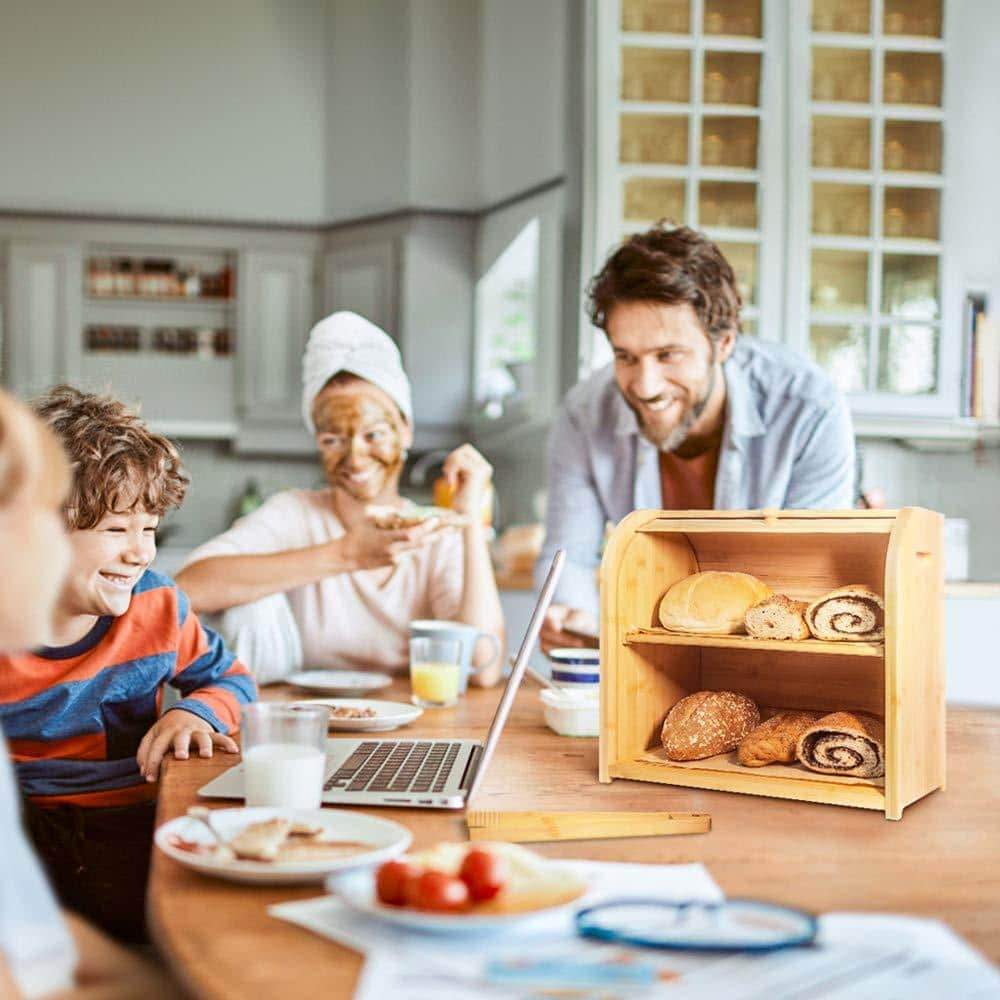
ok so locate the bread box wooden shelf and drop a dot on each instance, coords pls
(646, 669)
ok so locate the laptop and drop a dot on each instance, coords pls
(429, 774)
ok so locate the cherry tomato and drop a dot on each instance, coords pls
(440, 891)
(484, 873)
(392, 880)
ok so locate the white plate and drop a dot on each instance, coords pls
(388, 839)
(357, 890)
(345, 682)
(389, 714)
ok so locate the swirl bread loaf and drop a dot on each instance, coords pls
(848, 614)
(848, 743)
(707, 723)
(711, 603)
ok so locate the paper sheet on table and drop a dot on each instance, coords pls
(860, 955)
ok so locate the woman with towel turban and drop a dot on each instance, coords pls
(308, 578)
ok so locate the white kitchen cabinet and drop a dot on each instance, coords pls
(363, 279)
(275, 316)
(42, 316)
(805, 137)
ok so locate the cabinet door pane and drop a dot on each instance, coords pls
(725, 205)
(729, 142)
(841, 75)
(653, 139)
(912, 17)
(672, 17)
(910, 286)
(742, 259)
(842, 351)
(841, 143)
(907, 359)
(912, 78)
(732, 78)
(912, 146)
(912, 213)
(733, 17)
(852, 16)
(839, 280)
(656, 75)
(653, 198)
(841, 209)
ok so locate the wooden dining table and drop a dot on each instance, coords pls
(941, 860)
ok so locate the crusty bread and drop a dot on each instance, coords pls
(533, 882)
(707, 723)
(711, 603)
(399, 519)
(778, 617)
(774, 741)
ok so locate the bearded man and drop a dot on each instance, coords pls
(690, 416)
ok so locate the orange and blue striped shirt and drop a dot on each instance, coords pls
(75, 715)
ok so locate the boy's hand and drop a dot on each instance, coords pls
(176, 731)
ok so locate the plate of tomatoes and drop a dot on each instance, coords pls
(458, 888)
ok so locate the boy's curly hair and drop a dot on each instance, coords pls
(119, 465)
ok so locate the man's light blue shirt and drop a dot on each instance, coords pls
(788, 442)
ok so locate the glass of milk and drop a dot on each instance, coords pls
(435, 671)
(284, 754)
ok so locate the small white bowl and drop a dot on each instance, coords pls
(572, 713)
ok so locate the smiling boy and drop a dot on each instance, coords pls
(83, 714)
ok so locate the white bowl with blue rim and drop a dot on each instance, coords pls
(575, 668)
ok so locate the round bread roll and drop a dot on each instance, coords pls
(711, 603)
(707, 723)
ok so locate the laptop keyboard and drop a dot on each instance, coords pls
(403, 766)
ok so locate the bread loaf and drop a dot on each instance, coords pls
(846, 743)
(774, 740)
(848, 614)
(778, 617)
(711, 603)
(706, 723)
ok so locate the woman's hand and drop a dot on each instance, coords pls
(469, 476)
(366, 546)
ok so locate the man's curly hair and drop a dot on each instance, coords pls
(119, 465)
(672, 265)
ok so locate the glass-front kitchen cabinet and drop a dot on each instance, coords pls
(806, 137)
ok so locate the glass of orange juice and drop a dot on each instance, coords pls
(435, 671)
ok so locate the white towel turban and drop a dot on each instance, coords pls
(347, 342)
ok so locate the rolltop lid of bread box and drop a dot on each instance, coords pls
(646, 669)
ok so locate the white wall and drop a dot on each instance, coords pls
(186, 109)
(444, 104)
(523, 94)
(368, 131)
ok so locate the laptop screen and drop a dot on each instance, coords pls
(517, 672)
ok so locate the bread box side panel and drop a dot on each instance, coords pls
(914, 659)
(639, 687)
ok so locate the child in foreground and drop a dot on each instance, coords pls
(42, 951)
(83, 714)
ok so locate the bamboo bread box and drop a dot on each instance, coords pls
(646, 670)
